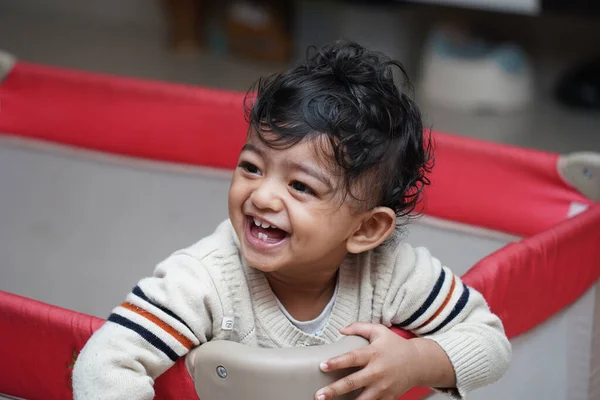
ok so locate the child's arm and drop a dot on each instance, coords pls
(428, 299)
(461, 347)
(160, 321)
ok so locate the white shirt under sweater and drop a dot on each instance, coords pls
(314, 326)
(208, 292)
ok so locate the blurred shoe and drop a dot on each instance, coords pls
(580, 87)
(467, 73)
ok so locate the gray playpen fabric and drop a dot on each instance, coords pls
(79, 229)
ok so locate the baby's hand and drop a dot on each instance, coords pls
(390, 365)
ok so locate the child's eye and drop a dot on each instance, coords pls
(249, 167)
(302, 188)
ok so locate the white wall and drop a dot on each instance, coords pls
(530, 7)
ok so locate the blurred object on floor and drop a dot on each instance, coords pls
(466, 72)
(580, 86)
(185, 20)
(259, 30)
(215, 32)
(393, 27)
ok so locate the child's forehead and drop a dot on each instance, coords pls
(316, 148)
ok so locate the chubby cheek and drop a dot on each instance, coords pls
(319, 228)
(236, 200)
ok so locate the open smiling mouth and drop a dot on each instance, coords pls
(262, 235)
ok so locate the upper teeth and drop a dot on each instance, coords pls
(258, 222)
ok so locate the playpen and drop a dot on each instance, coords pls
(102, 176)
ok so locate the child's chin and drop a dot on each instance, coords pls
(265, 268)
(260, 264)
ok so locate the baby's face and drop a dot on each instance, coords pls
(287, 209)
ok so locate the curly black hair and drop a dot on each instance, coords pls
(348, 94)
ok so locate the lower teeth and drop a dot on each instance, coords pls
(262, 236)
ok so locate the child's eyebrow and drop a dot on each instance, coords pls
(252, 148)
(309, 170)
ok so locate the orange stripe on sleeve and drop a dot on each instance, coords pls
(444, 304)
(187, 343)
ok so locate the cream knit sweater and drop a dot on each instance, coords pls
(207, 292)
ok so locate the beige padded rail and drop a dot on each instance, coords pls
(225, 370)
(7, 61)
(582, 171)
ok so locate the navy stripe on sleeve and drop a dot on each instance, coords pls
(146, 334)
(140, 293)
(430, 299)
(460, 305)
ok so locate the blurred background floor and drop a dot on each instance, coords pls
(98, 44)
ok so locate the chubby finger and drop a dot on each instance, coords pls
(345, 385)
(355, 358)
(369, 393)
(365, 329)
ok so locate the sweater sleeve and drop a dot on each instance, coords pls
(426, 298)
(160, 321)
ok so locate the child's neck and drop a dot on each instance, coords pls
(304, 299)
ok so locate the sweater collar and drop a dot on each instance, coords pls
(282, 331)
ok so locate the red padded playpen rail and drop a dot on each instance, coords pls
(473, 180)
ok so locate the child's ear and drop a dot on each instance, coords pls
(377, 226)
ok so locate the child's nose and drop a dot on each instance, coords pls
(266, 196)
